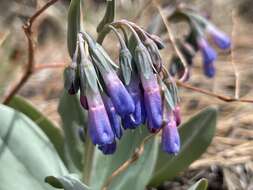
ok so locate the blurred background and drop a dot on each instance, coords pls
(228, 163)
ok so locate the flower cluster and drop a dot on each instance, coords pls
(196, 40)
(125, 95)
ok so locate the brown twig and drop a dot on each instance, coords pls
(173, 40)
(138, 152)
(237, 75)
(40, 67)
(212, 94)
(27, 27)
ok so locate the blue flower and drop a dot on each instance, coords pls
(153, 102)
(170, 137)
(138, 116)
(98, 122)
(219, 37)
(208, 53)
(121, 99)
(209, 70)
(113, 116)
(108, 148)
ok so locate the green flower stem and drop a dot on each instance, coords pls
(88, 155)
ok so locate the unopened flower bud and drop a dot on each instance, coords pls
(125, 61)
(154, 54)
(177, 115)
(83, 101)
(71, 82)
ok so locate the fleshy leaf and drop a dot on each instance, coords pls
(26, 154)
(73, 117)
(103, 166)
(109, 15)
(196, 135)
(74, 25)
(52, 131)
(70, 182)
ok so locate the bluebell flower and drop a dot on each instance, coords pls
(208, 53)
(119, 95)
(153, 101)
(209, 70)
(113, 116)
(108, 148)
(219, 37)
(138, 116)
(170, 137)
(98, 122)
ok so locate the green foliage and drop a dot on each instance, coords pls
(103, 166)
(26, 154)
(52, 131)
(69, 182)
(74, 25)
(109, 15)
(196, 135)
(72, 117)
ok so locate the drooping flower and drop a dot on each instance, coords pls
(113, 116)
(119, 95)
(209, 70)
(153, 102)
(138, 116)
(208, 53)
(170, 136)
(99, 127)
(108, 148)
(219, 37)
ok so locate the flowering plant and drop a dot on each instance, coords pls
(121, 121)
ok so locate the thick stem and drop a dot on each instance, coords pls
(88, 155)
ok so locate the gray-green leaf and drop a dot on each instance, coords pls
(73, 117)
(103, 166)
(196, 135)
(69, 182)
(26, 154)
(109, 15)
(74, 25)
(52, 131)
